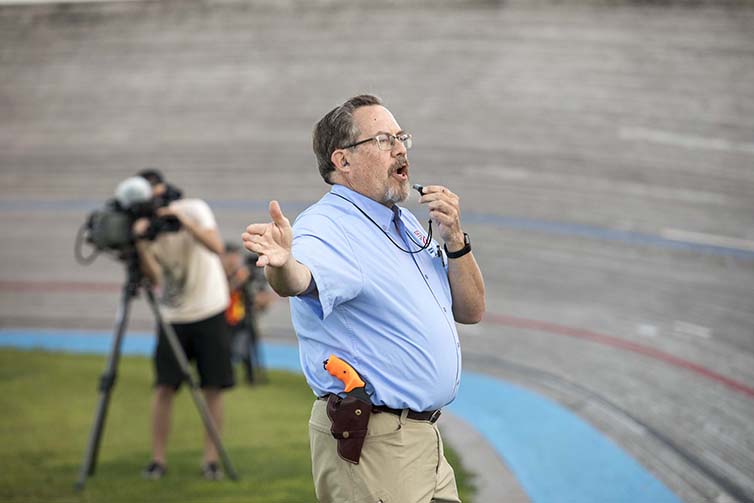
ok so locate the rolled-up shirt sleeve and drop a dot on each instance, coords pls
(323, 246)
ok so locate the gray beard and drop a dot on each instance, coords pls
(394, 196)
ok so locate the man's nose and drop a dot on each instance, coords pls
(399, 149)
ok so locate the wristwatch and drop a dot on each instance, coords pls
(463, 251)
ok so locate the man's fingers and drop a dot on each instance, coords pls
(248, 241)
(437, 192)
(442, 218)
(247, 238)
(443, 207)
(277, 214)
(431, 189)
(257, 229)
(263, 261)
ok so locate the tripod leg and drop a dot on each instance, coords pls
(107, 381)
(201, 405)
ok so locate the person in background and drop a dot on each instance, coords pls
(185, 265)
(249, 297)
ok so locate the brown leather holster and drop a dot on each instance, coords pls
(350, 417)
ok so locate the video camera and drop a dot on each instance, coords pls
(110, 228)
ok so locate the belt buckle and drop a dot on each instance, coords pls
(435, 416)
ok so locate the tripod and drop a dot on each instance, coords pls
(135, 280)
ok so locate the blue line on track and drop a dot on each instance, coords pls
(504, 222)
(604, 234)
(556, 456)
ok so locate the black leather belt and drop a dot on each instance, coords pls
(430, 415)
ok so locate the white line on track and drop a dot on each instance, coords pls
(647, 330)
(706, 239)
(684, 140)
(594, 185)
(686, 328)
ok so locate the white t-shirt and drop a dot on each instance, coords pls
(194, 286)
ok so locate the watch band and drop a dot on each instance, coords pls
(463, 251)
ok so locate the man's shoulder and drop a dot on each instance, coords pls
(198, 211)
(195, 206)
(191, 202)
(326, 211)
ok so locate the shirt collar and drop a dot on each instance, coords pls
(378, 211)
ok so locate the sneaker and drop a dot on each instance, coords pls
(154, 471)
(212, 471)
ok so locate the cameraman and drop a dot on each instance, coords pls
(186, 265)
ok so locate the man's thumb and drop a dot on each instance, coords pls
(277, 214)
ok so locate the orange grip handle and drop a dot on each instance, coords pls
(341, 370)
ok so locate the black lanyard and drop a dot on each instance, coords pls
(423, 247)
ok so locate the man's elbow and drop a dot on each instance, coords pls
(472, 315)
(475, 318)
(216, 245)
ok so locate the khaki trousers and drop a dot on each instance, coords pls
(402, 461)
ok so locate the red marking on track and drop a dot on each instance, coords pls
(608, 340)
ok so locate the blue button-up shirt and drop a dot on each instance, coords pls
(386, 312)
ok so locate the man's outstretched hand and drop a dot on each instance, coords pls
(271, 241)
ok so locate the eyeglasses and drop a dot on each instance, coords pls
(387, 141)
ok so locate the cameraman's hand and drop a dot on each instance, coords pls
(172, 210)
(140, 227)
(271, 241)
(147, 262)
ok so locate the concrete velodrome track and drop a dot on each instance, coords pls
(604, 156)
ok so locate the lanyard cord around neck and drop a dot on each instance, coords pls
(423, 247)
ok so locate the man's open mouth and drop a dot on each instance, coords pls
(401, 172)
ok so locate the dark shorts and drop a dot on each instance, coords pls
(208, 343)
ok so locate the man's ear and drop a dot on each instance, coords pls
(339, 160)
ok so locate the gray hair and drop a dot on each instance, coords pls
(337, 129)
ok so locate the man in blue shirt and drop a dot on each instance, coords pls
(371, 287)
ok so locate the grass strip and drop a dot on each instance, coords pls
(48, 402)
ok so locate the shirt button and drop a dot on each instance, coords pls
(426, 277)
(444, 310)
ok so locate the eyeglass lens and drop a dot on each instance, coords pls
(386, 142)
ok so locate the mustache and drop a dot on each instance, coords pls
(401, 163)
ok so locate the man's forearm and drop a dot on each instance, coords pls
(208, 237)
(467, 289)
(289, 280)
